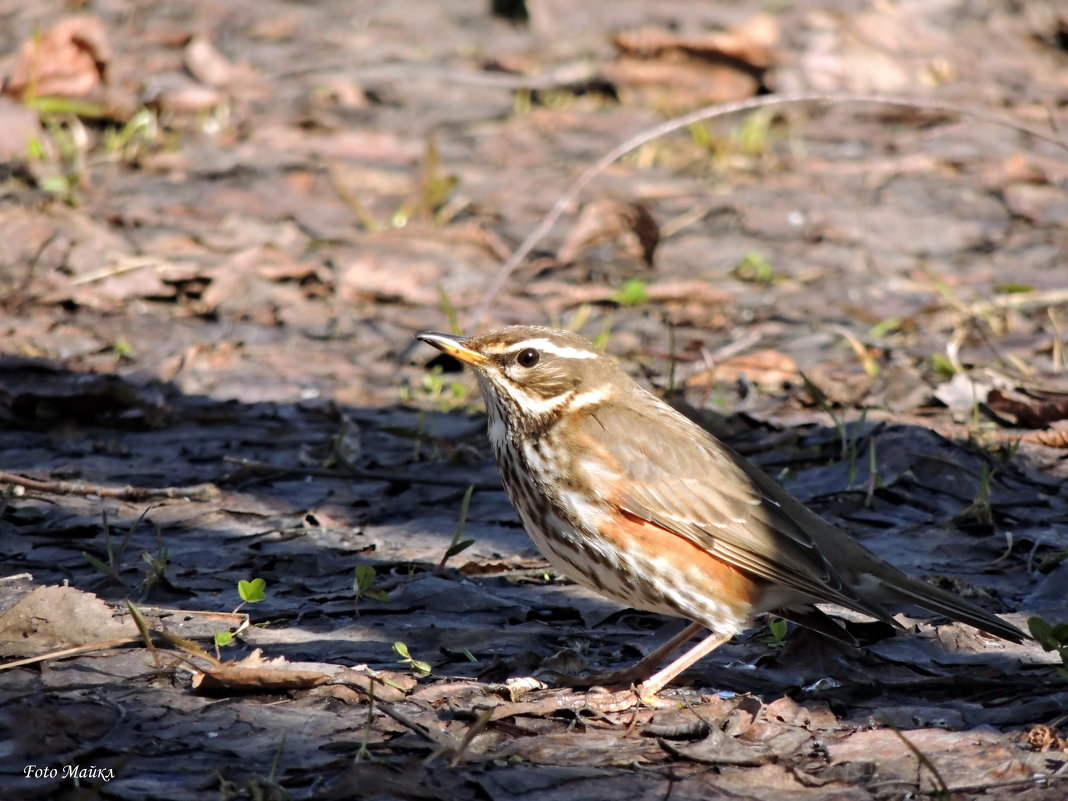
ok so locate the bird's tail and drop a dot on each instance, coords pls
(906, 589)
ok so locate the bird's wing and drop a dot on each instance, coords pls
(702, 491)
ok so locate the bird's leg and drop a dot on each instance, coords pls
(644, 667)
(655, 683)
(646, 692)
(622, 683)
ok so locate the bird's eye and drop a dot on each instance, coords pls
(527, 357)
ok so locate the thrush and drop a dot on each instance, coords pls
(626, 496)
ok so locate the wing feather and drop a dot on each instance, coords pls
(704, 492)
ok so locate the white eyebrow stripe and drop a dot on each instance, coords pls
(545, 346)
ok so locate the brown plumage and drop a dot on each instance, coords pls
(627, 496)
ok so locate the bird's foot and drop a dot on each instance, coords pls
(602, 698)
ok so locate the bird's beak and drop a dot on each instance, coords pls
(452, 346)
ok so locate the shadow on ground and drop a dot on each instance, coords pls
(300, 494)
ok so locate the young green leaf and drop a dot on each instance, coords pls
(458, 547)
(755, 269)
(418, 667)
(942, 365)
(458, 544)
(777, 629)
(364, 577)
(99, 565)
(1051, 636)
(633, 293)
(252, 591)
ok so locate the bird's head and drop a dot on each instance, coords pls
(533, 374)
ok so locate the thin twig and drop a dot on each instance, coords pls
(62, 653)
(711, 112)
(198, 492)
(1030, 781)
(480, 723)
(122, 266)
(442, 739)
(941, 788)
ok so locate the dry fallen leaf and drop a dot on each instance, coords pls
(682, 70)
(49, 618)
(212, 68)
(255, 673)
(750, 43)
(69, 59)
(628, 226)
(767, 368)
(1056, 436)
(1030, 411)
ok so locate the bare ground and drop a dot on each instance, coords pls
(210, 274)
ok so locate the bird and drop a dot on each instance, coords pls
(626, 496)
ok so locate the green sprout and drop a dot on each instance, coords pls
(251, 592)
(1052, 637)
(363, 577)
(419, 668)
(458, 543)
(633, 293)
(755, 269)
(942, 365)
(777, 630)
(449, 308)
(980, 511)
